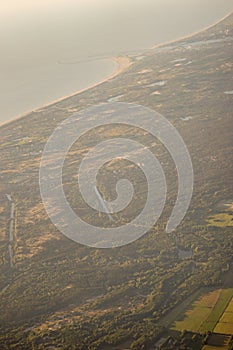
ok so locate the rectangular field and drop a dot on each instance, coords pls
(199, 311)
(225, 324)
(218, 311)
(211, 311)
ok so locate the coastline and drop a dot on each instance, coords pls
(193, 100)
(189, 36)
(123, 63)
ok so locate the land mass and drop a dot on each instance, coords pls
(58, 294)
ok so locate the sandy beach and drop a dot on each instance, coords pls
(122, 64)
(81, 297)
(189, 36)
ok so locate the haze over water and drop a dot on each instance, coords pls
(42, 40)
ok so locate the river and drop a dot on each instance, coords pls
(53, 48)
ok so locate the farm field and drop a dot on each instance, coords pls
(197, 312)
(217, 312)
(170, 319)
(225, 324)
(59, 294)
(206, 313)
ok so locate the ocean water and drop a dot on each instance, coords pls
(53, 48)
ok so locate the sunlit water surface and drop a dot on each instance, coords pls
(49, 49)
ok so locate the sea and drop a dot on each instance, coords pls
(53, 48)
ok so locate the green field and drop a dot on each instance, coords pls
(63, 295)
(168, 320)
(217, 312)
(225, 324)
(204, 313)
(198, 311)
(230, 306)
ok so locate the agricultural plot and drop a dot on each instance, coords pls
(211, 312)
(198, 311)
(230, 306)
(218, 311)
(225, 324)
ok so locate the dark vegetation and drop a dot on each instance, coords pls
(69, 296)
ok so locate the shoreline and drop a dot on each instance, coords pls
(189, 36)
(123, 63)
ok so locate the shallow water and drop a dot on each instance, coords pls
(49, 48)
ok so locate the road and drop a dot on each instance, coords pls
(11, 229)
